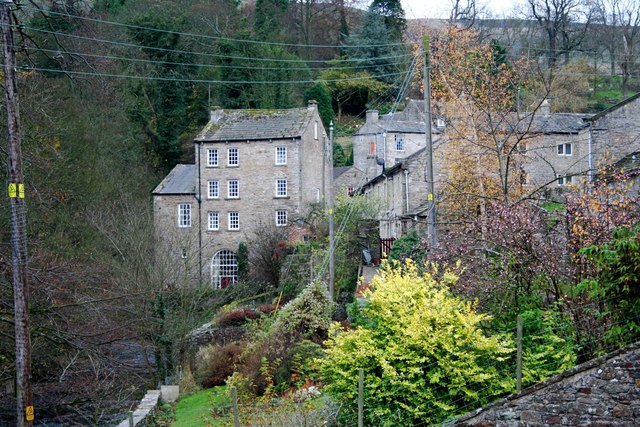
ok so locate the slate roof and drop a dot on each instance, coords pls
(394, 123)
(339, 170)
(180, 181)
(247, 125)
(559, 123)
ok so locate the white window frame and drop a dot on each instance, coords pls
(184, 215)
(281, 183)
(315, 130)
(213, 189)
(564, 180)
(562, 149)
(233, 221)
(399, 142)
(224, 269)
(281, 155)
(233, 157)
(213, 221)
(281, 218)
(233, 184)
(213, 158)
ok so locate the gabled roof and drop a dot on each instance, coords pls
(559, 123)
(180, 181)
(615, 107)
(248, 125)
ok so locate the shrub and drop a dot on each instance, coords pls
(307, 317)
(237, 316)
(424, 354)
(215, 363)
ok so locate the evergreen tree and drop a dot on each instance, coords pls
(320, 93)
(270, 14)
(377, 48)
(393, 15)
(161, 107)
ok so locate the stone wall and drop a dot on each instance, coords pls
(602, 392)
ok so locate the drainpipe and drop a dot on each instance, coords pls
(406, 190)
(590, 173)
(199, 200)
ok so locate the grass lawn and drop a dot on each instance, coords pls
(195, 410)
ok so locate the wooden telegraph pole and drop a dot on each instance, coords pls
(332, 243)
(432, 234)
(16, 194)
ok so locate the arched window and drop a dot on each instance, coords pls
(224, 269)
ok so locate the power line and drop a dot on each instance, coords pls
(215, 38)
(186, 80)
(211, 55)
(189, 64)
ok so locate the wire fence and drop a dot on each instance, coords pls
(371, 404)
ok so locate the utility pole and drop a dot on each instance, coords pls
(432, 235)
(332, 242)
(24, 406)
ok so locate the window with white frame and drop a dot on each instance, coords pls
(281, 187)
(315, 130)
(184, 215)
(233, 189)
(234, 221)
(399, 142)
(233, 157)
(565, 149)
(213, 189)
(212, 157)
(213, 222)
(281, 218)
(281, 155)
(564, 180)
(224, 269)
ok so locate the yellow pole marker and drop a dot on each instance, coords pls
(21, 191)
(13, 190)
(30, 413)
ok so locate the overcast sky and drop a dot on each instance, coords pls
(416, 9)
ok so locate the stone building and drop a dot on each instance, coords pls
(565, 149)
(253, 169)
(555, 151)
(401, 192)
(391, 138)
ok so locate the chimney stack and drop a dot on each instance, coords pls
(545, 108)
(313, 104)
(372, 116)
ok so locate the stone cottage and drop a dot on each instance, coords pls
(390, 138)
(566, 149)
(253, 169)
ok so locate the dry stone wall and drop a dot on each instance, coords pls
(602, 392)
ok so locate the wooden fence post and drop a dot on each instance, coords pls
(361, 397)
(519, 354)
(236, 413)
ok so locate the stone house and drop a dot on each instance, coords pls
(559, 149)
(566, 149)
(253, 169)
(401, 192)
(390, 138)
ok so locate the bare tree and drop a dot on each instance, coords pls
(465, 12)
(564, 23)
(628, 15)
